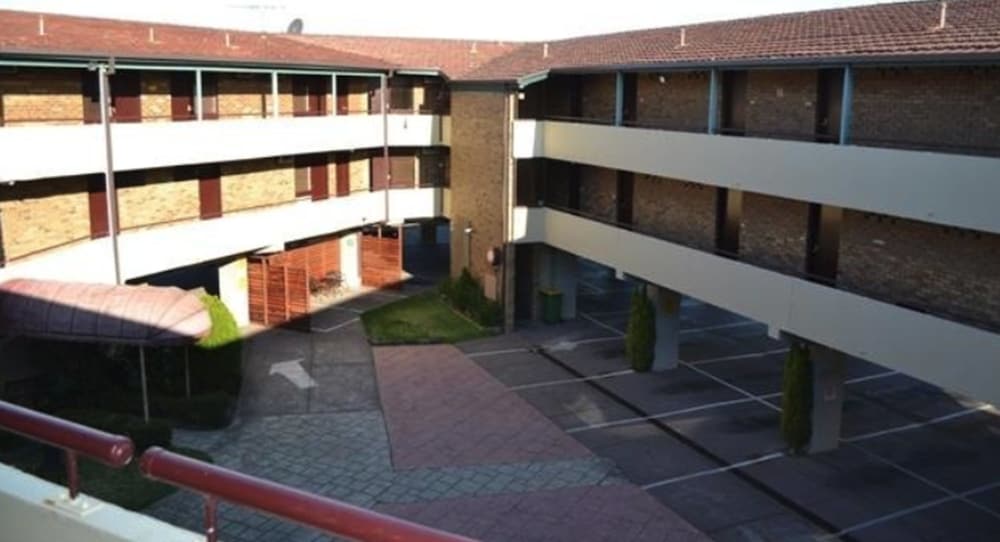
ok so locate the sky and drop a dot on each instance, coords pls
(504, 20)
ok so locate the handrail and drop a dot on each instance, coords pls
(334, 517)
(112, 450)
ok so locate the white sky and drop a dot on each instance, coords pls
(495, 19)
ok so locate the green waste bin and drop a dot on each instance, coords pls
(551, 306)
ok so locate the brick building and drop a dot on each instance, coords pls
(831, 174)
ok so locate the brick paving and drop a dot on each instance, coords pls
(443, 410)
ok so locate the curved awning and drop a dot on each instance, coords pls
(134, 315)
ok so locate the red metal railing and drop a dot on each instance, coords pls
(335, 517)
(74, 439)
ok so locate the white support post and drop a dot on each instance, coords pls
(111, 192)
(199, 106)
(384, 105)
(619, 98)
(145, 390)
(275, 102)
(333, 94)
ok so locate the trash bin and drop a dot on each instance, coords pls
(551, 306)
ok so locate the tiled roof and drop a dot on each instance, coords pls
(896, 31)
(455, 58)
(84, 36)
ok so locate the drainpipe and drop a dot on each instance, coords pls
(384, 104)
(111, 193)
(510, 174)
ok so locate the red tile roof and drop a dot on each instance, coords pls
(455, 58)
(90, 37)
(897, 31)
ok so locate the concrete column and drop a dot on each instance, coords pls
(828, 397)
(350, 260)
(847, 106)
(667, 308)
(713, 101)
(233, 290)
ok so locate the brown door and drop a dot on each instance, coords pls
(379, 170)
(343, 174)
(402, 167)
(343, 96)
(98, 204)
(126, 94)
(210, 191)
(830, 92)
(319, 177)
(734, 102)
(209, 95)
(626, 184)
(823, 242)
(182, 96)
(630, 104)
(91, 96)
(308, 95)
(728, 217)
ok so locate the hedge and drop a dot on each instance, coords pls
(465, 294)
(796, 399)
(640, 336)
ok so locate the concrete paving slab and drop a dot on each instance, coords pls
(523, 368)
(911, 397)
(778, 528)
(345, 345)
(734, 433)
(594, 358)
(989, 499)
(495, 343)
(861, 417)
(343, 387)
(615, 513)
(574, 398)
(677, 389)
(951, 521)
(759, 375)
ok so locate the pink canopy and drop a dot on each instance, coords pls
(134, 315)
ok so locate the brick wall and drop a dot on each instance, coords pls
(773, 233)
(256, 183)
(678, 211)
(598, 190)
(597, 93)
(244, 96)
(680, 102)
(159, 199)
(41, 214)
(360, 172)
(357, 99)
(155, 98)
(782, 102)
(477, 175)
(51, 96)
(941, 269)
(928, 106)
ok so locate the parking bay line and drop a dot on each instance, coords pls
(336, 327)
(709, 472)
(916, 425)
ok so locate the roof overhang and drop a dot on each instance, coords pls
(532, 78)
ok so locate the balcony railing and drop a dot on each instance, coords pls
(214, 483)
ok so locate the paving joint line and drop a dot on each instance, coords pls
(336, 327)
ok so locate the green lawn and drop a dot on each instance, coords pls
(420, 319)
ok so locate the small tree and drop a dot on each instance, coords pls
(796, 399)
(641, 332)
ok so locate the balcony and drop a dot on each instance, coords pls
(905, 340)
(79, 149)
(950, 189)
(171, 246)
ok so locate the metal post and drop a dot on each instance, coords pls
(383, 103)
(72, 474)
(333, 93)
(211, 533)
(142, 376)
(846, 106)
(187, 371)
(619, 99)
(111, 192)
(713, 102)
(275, 104)
(198, 105)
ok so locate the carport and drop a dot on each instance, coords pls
(140, 316)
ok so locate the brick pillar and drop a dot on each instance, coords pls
(667, 309)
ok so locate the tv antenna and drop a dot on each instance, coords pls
(295, 27)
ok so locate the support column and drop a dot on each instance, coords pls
(350, 260)
(199, 106)
(828, 397)
(667, 309)
(275, 98)
(234, 290)
(713, 102)
(846, 106)
(619, 98)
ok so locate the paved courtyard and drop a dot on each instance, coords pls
(545, 434)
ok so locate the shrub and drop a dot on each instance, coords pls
(212, 410)
(155, 433)
(465, 294)
(217, 360)
(796, 399)
(640, 337)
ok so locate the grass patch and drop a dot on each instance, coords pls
(421, 319)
